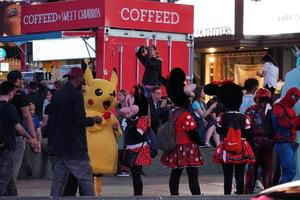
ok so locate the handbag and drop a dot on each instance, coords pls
(129, 157)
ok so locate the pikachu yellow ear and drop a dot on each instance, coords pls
(88, 76)
(114, 78)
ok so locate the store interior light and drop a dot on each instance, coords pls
(211, 50)
(212, 59)
(266, 48)
(211, 74)
(211, 66)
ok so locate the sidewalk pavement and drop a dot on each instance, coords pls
(122, 186)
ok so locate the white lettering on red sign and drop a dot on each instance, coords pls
(40, 18)
(155, 16)
(66, 16)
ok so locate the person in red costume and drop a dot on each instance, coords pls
(260, 118)
(285, 123)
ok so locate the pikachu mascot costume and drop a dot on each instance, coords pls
(100, 99)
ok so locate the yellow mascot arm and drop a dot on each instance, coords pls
(118, 132)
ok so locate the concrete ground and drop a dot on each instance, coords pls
(122, 186)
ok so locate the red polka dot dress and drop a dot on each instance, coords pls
(143, 157)
(186, 153)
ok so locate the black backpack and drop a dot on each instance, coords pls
(2, 134)
(166, 135)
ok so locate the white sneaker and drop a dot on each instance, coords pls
(122, 174)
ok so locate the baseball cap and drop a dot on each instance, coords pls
(13, 75)
(74, 72)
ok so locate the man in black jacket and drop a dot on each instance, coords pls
(67, 136)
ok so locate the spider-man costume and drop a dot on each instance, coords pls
(285, 123)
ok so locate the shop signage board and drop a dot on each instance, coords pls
(69, 15)
(146, 15)
(121, 27)
(125, 14)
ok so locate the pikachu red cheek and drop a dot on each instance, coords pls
(91, 102)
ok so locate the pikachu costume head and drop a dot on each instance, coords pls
(100, 93)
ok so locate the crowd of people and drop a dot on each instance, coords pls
(53, 122)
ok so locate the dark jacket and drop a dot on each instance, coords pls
(157, 114)
(37, 98)
(67, 123)
(152, 68)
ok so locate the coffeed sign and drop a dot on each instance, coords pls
(125, 14)
(151, 16)
(70, 15)
(60, 16)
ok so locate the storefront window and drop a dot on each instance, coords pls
(237, 66)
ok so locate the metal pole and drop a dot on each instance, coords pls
(170, 52)
(121, 66)
(137, 64)
(191, 59)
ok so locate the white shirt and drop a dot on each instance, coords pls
(271, 74)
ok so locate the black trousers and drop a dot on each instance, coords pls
(72, 186)
(193, 180)
(239, 171)
(136, 172)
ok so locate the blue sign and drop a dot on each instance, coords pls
(2, 54)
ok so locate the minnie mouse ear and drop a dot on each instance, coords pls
(212, 89)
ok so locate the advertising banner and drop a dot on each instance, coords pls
(125, 14)
(70, 15)
(146, 15)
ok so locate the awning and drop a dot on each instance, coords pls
(49, 35)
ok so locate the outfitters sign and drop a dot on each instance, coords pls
(127, 14)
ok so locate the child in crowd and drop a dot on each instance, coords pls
(28, 150)
(233, 162)
(250, 86)
(122, 170)
(200, 110)
(261, 123)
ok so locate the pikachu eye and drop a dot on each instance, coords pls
(98, 92)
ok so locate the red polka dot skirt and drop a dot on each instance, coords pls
(143, 158)
(185, 155)
(245, 157)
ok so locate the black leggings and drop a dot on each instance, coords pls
(239, 177)
(193, 180)
(136, 172)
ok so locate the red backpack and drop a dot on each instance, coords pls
(233, 140)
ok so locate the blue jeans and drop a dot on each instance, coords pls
(82, 171)
(286, 155)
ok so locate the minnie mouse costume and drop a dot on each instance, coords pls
(186, 155)
(230, 95)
